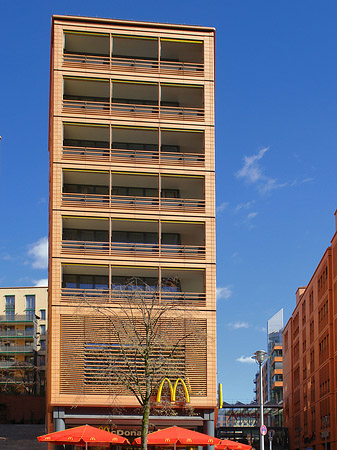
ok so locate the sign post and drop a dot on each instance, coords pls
(271, 434)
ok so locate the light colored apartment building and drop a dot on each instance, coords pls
(310, 359)
(23, 328)
(131, 195)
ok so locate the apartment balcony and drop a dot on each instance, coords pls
(133, 192)
(9, 318)
(132, 100)
(15, 380)
(133, 238)
(276, 372)
(91, 284)
(133, 55)
(15, 365)
(16, 349)
(133, 146)
(16, 334)
(277, 385)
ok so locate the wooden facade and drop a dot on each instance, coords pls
(132, 186)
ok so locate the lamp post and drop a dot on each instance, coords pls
(260, 356)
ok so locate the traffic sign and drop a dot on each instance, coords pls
(271, 434)
(263, 430)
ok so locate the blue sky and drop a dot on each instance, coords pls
(276, 152)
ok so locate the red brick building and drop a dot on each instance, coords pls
(310, 359)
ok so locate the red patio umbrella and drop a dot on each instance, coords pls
(83, 435)
(231, 445)
(178, 436)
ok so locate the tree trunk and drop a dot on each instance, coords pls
(145, 423)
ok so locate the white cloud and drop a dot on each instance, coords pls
(263, 329)
(42, 282)
(252, 173)
(296, 182)
(251, 170)
(246, 205)
(222, 207)
(39, 252)
(252, 215)
(238, 325)
(223, 293)
(245, 360)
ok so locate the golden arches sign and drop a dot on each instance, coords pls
(173, 389)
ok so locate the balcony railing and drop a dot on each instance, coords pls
(133, 249)
(132, 65)
(17, 318)
(120, 297)
(15, 380)
(16, 334)
(16, 365)
(133, 156)
(16, 349)
(129, 202)
(132, 109)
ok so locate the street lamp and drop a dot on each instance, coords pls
(260, 356)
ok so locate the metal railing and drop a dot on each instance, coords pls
(135, 110)
(133, 64)
(17, 318)
(130, 202)
(134, 249)
(133, 156)
(16, 334)
(120, 296)
(16, 365)
(16, 349)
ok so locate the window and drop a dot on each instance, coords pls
(304, 315)
(10, 305)
(311, 302)
(43, 329)
(29, 331)
(42, 360)
(30, 307)
(43, 314)
(43, 345)
(85, 281)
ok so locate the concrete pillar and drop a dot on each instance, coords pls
(209, 425)
(59, 423)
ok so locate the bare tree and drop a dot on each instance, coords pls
(21, 378)
(144, 342)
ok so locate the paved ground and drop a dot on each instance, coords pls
(21, 437)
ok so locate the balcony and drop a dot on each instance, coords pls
(21, 365)
(134, 54)
(133, 238)
(129, 99)
(16, 334)
(91, 284)
(8, 318)
(15, 380)
(133, 192)
(17, 349)
(133, 146)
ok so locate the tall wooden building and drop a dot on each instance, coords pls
(131, 195)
